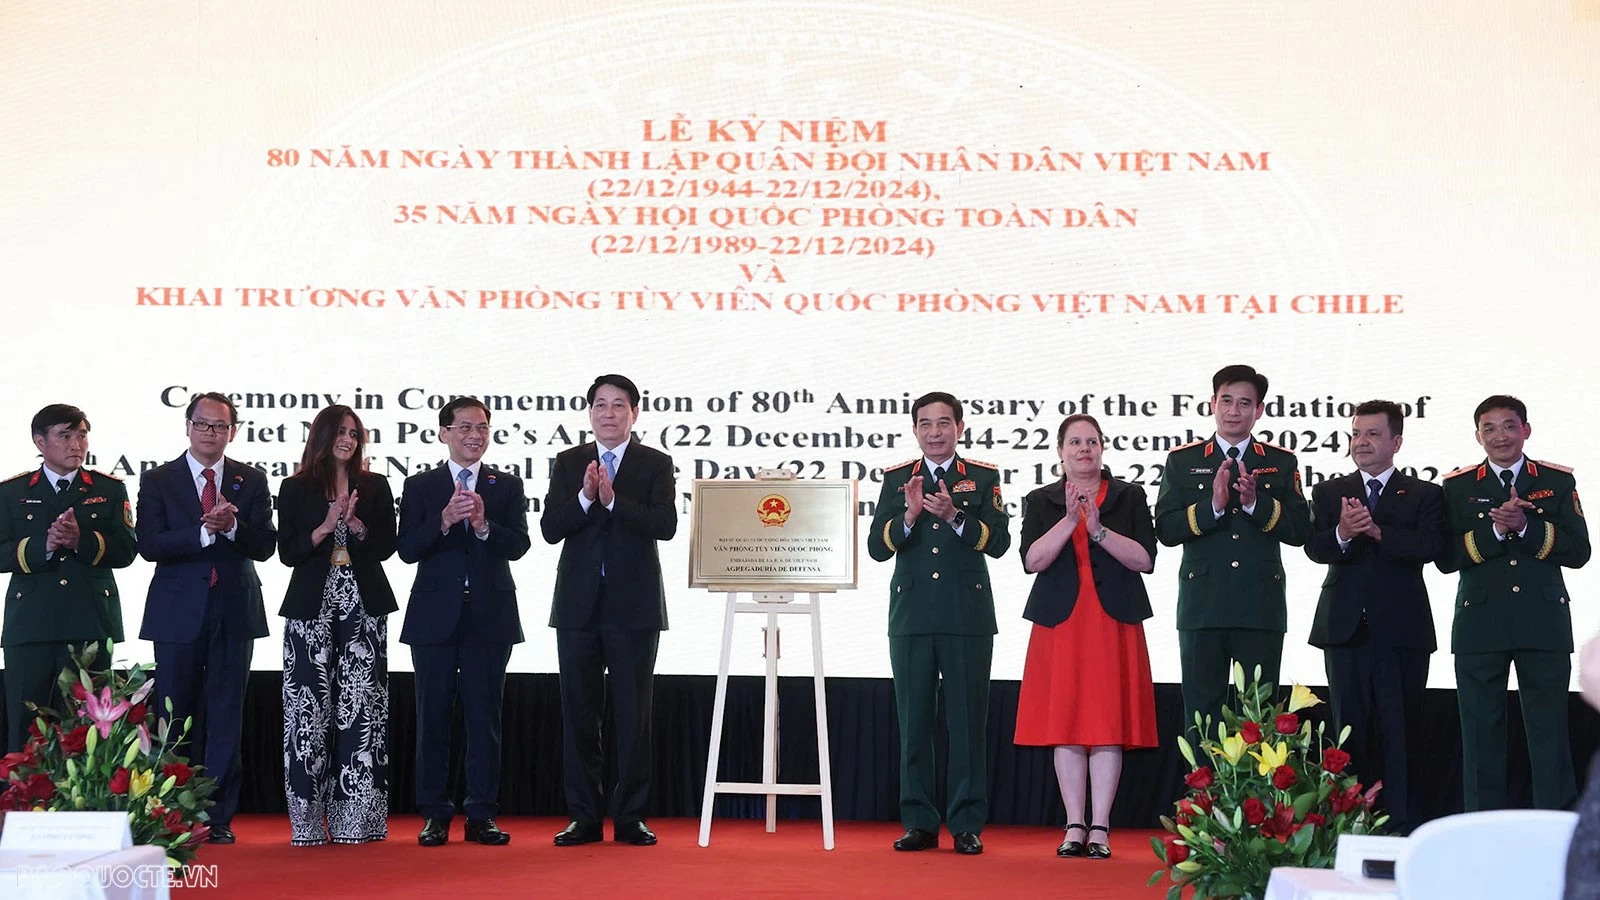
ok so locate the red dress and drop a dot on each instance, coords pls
(1087, 680)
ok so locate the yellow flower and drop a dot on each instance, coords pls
(139, 782)
(1302, 698)
(1233, 748)
(1270, 757)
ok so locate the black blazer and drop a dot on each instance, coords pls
(447, 561)
(301, 508)
(1383, 578)
(1121, 589)
(622, 539)
(169, 536)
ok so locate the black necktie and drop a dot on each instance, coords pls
(1233, 457)
(62, 484)
(938, 476)
(1506, 478)
(1374, 488)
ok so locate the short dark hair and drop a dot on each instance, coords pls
(58, 414)
(1236, 373)
(224, 399)
(447, 416)
(1501, 401)
(1069, 421)
(620, 382)
(1397, 416)
(933, 397)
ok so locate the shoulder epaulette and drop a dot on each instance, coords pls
(1470, 467)
(901, 465)
(1188, 445)
(22, 474)
(99, 474)
(980, 463)
(1273, 447)
(1557, 466)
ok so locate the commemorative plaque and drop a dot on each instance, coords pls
(773, 534)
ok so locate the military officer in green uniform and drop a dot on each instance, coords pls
(1513, 524)
(1231, 502)
(938, 516)
(63, 529)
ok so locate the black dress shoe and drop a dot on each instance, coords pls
(435, 833)
(220, 834)
(968, 844)
(576, 833)
(1100, 849)
(484, 831)
(635, 833)
(917, 839)
(1069, 847)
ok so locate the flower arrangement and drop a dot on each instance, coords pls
(1266, 792)
(101, 755)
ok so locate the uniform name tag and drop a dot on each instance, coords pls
(1202, 470)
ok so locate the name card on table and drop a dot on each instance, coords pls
(103, 832)
(1368, 855)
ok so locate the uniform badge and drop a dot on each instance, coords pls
(996, 500)
(968, 485)
(773, 510)
(1541, 494)
(1264, 470)
(127, 513)
(1298, 491)
(1576, 506)
(93, 500)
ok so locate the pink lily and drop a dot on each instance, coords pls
(103, 712)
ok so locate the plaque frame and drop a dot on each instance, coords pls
(711, 498)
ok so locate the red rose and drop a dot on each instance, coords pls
(1334, 760)
(173, 822)
(1199, 779)
(1288, 723)
(1251, 732)
(16, 798)
(1187, 811)
(1176, 852)
(119, 781)
(1315, 819)
(1202, 802)
(1255, 812)
(76, 741)
(1284, 777)
(13, 761)
(137, 714)
(79, 692)
(41, 787)
(180, 770)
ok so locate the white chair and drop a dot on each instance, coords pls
(1505, 854)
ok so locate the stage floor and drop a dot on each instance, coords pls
(742, 860)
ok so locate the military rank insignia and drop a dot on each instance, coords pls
(995, 498)
(127, 513)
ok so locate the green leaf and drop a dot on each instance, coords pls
(1301, 839)
(1303, 804)
(1155, 877)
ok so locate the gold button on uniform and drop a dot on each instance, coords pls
(936, 526)
(978, 586)
(1236, 535)
(1234, 564)
(1191, 576)
(1513, 562)
(936, 576)
(30, 517)
(1516, 589)
(936, 550)
(63, 582)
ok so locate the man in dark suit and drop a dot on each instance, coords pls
(63, 529)
(462, 524)
(610, 502)
(205, 520)
(1231, 502)
(1513, 524)
(1375, 529)
(938, 517)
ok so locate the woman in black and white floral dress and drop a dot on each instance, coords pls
(336, 525)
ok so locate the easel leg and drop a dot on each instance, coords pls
(824, 763)
(718, 709)
(769, 733)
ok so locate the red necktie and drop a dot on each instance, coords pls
(208, 502)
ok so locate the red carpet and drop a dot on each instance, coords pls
(742, 860)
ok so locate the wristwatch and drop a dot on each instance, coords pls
(959, 520)
(1098, 536)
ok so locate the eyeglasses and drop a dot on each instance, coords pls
(211, 427)
(465, 429)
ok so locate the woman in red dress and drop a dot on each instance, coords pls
(1086, 688)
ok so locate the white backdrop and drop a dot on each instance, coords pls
(766, 213)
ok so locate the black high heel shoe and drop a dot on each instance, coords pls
(1070, 847)
(1100, 850)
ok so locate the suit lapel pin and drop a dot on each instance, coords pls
(491, 478)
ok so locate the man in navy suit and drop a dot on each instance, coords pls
(611, 501)
(462, 524)
(204, 520)
(1375, 529)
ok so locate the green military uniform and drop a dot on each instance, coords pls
(1512, 606)
(1230, 584)
(71, 597)
(942, 623)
